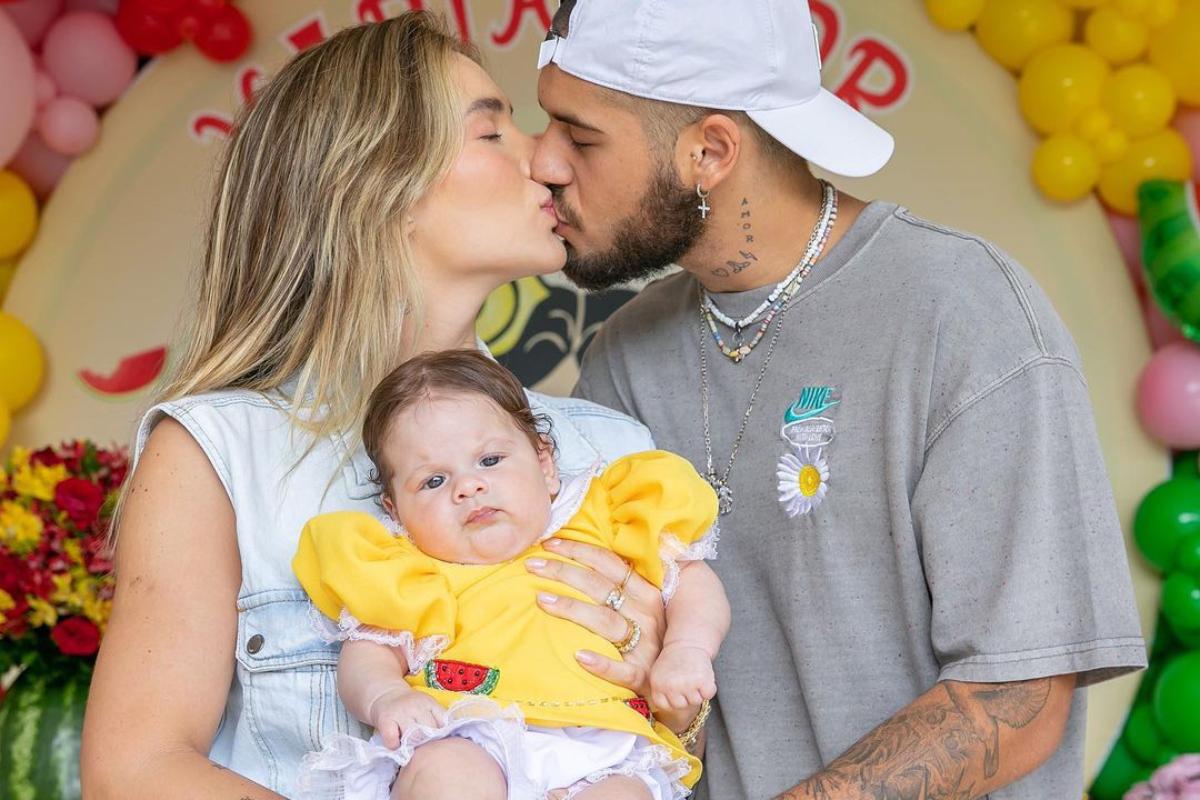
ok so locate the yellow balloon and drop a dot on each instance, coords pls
(954, 15)
(1059, 85)
(5, 423)
(1140, 99)
(1116, 37)
(1175, 49)
(1013, 31)
(7, 270)
(1163, 155)
(21, 363)
(1065, 167)
(1085, 4)
(1160, 12)
(1132, 8)
(18, 214)
(1110, 146)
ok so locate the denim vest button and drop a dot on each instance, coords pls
(255, 644)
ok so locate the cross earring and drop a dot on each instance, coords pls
(704, 207)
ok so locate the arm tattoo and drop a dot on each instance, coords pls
(939, 748)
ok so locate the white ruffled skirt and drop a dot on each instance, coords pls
(535, 760)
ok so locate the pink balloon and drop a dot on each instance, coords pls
(87, 58)
(69, 126)
(1168, 396)
(103, 6)
(33, 17)
(1160, 329)
(44, 88)
(16, 88)
(41, 167)
(1129, 240)
(1187, 122)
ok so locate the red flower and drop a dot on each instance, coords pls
(45, 457)
(81, 500)
(76, 636)
(14, 575)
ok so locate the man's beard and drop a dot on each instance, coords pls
(662, 229)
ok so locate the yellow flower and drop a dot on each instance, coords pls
(62, 588)
(42, 613)
(97, 610)
(19, 458)
(3, 480)
(6, 601)
(20, 530)
(38, 480)
(74, 550)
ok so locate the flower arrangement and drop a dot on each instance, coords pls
(55, 580)
(1177, 780)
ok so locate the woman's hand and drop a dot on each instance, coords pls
(596, 572)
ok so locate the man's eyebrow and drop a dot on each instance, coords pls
(574, 122)
(492, 104)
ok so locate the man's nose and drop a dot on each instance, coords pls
(548, 165)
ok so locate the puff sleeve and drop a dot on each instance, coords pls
(662, 513)
(368, 583)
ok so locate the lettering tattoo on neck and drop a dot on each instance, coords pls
(746, 258)
(942, 747)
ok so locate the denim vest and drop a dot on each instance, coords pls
(283, 700)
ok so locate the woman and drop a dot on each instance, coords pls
(373, 196)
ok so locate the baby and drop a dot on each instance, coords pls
(446, 650)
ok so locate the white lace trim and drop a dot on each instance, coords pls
(641, 764)
(417, 652)
(671, 550)
(570, 498)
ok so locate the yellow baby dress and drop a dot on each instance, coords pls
(474, 631)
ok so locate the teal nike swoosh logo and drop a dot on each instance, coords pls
(797, 413)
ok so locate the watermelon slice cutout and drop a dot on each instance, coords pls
(459, 676)
(132, 373)
(641, 706)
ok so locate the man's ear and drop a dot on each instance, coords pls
(549, 468)
(708, 150)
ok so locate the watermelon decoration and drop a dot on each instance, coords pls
(459, 676)
(41, 722)
(132, 373)
(1170, 219)
(642, 707)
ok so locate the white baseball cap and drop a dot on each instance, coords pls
(757, 56)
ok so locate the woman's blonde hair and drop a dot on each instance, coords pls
(308, 272)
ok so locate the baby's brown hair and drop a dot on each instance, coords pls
(449, 372)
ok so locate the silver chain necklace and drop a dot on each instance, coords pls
(720, 483)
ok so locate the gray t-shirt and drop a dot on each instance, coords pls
(925, 420)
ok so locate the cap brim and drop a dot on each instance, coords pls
(830, 134)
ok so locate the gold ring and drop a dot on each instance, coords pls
(625, 580)
(626, 645)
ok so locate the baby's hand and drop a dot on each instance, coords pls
(682, 677)
(397, 710)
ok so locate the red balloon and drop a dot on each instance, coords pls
(225, 36)
(147, 31)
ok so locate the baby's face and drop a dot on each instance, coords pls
(467, 484)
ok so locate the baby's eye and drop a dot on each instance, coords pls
(434, 482)
(491, 461)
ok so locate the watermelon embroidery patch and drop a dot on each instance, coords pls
(459, 676)
(640, 705)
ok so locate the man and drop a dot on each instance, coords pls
(919, 540)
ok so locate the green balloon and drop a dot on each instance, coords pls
(1181, 603)
(1167, 516)
(1121, 770)
(1177, 703)
(1187, 556)
(1171, 250)
(1141, 734)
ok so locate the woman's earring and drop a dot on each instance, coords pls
(704, 207)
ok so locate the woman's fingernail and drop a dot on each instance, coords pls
(551, 543)
(584, 657)
(548, 599)
(535, 563)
